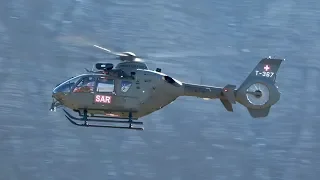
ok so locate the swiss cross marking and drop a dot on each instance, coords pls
(102, 99)
(266, 67)
(266, 73)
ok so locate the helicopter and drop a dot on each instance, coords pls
(111, 96)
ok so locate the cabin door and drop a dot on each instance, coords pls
(83, 92)
(105, 94)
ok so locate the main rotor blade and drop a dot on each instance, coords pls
(109, 51)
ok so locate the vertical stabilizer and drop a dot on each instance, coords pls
(258, 92)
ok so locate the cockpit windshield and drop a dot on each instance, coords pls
(67, 85)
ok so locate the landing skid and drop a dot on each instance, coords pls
(85, 121)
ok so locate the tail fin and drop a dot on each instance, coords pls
(258, 92)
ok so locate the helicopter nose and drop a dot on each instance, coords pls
(57, 93)
(58, 99)
(56, 89)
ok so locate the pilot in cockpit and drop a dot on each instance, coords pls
(86, 85)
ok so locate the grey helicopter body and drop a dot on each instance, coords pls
(130, 90)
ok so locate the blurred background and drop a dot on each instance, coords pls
(43, 42)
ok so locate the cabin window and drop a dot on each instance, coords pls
(86, 84)
(105, 85)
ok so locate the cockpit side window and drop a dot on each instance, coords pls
(105, 85)
(85, 85)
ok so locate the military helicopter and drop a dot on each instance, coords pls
(131, 90)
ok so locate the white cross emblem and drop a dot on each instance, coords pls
(266, 67)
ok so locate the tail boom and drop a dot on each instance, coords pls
(225, 94)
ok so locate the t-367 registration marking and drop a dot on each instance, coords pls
(102, 99)
(264, 73)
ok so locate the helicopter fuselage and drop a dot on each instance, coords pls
(142, 92)
(131, 91)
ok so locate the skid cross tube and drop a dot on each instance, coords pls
(85, 121)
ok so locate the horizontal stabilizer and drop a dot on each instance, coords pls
(227, 105)
(257, 113)
(228, 92)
